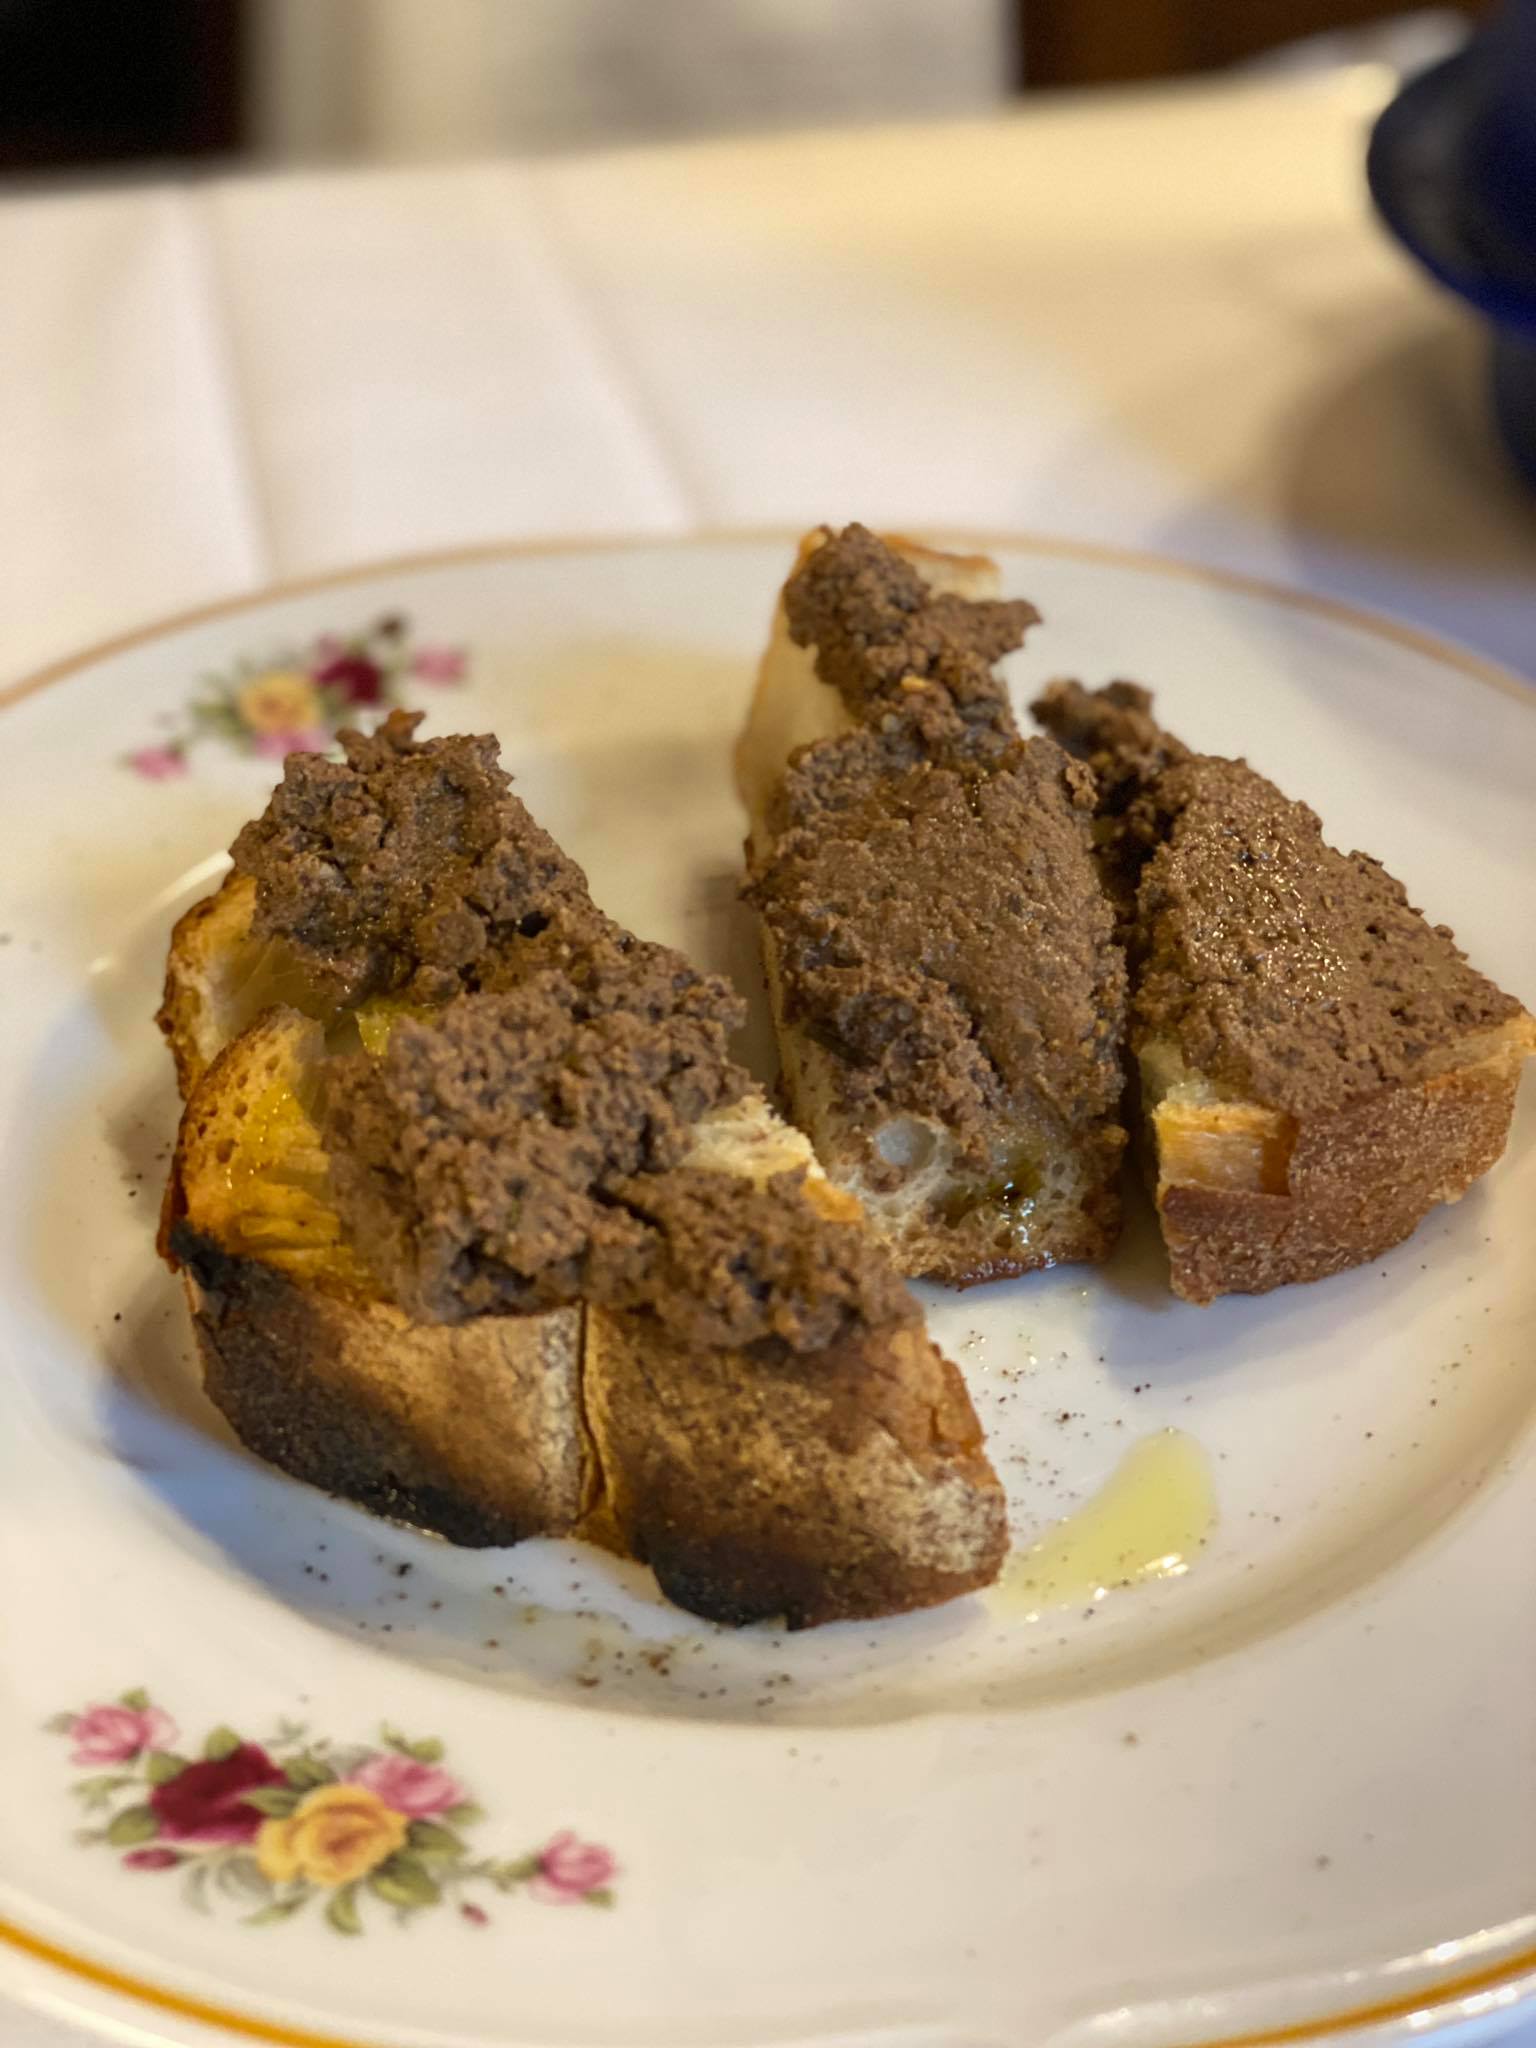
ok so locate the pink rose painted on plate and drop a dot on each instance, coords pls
(439, 664)
(420, 1791)
(158, 764)
(571, 1870)
(115, 1734)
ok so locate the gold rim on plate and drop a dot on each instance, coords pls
(1338, 610)
(1410, 2004)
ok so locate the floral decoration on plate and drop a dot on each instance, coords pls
(293, 702)
(277, 1825)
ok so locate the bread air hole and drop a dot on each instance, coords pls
(906, 1144)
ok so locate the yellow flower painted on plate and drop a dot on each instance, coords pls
(281, 700)
(335, 1834)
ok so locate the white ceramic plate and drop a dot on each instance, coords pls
(1291, 1789)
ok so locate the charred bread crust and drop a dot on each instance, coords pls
(757, 1484)
(1357, 1182)
(472, 1431)
(848, 1480)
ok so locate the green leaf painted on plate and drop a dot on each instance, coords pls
(601, 1896)
(60, 1724)
(241, 1876)
(276, 1801)
(133, 1825)
(220, 1743)
(428, 1839)
(307, 1771)
(98, 1791)
(161, 1765)
(341, 1910)
(138, 1699)
(280, 1909)
(427, 1751)
(465, 1815)
(405, 1881)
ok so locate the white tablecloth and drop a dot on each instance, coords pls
(1166, 322)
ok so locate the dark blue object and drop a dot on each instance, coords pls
(1452, 169)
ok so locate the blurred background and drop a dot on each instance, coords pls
(294, 284)
(91, 84)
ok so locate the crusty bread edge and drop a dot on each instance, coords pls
(341, 1389)
(1228, 1238)
(205, 946)
(755, 1493)
(296, 1372)
(347, 1394)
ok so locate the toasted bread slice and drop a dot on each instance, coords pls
(1033, 1181)
(473, 1430)
(457, 1266)
(846, 1482)
(837, 1485)
(1319, 1066)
